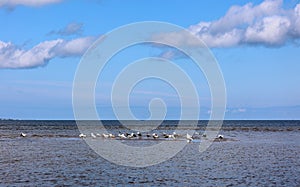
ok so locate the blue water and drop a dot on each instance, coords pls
(257, 153)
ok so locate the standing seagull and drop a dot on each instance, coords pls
(175, 135)
(139, 134)
(220, 136)
(132, 135)
(82, 135)
(154, 135)
(189, 138)
(23, 134)
(93, 135)
(122, 136)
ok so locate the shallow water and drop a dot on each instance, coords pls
(53, 155)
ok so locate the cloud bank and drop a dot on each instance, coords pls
(11, 56)
(266, 24)
(13, 3)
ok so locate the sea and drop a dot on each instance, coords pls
(250, 153)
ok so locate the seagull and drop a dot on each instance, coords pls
(175, 135)
(122, 136)
(148, 135)
(93, 135)
(105, 135)
(189, 138)
(139, 134)
(154, 135)
(132, 135)
(172, 136)
(111, 135)
(23, 134)
(220, 136)
(82, 135)
(165, 135)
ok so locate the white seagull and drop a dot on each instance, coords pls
(132, 135)
(165, 135)
(189, 138)
(154, 135)
(122, 136)
(23, 134)
(93, 135)
(220, 136)
(175, 135)
(139, 134)
(82, 135)
(171, 136)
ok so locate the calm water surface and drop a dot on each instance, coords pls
(258, 153)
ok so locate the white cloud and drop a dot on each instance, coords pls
(270, 31)
(12, 56)
(239, 15)
(266, 24)
(177, 39)
(13, 3)
(297, 21)
(75, 47)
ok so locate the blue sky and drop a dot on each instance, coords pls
(255, 43)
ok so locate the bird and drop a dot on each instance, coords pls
(105, 135)
(175, 135)
(172, 136)
(189, 138)
(148, 135)
(154, 135)
(111, 135)
(204, 135)
(132, 135)
(122, 136)
(165, 135)
(23, 134)
(93, 135)
(139, 134)
(220, 136)
(82, 135)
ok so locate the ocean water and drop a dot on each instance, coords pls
(253, 153)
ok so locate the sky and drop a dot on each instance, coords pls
(256, 45)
